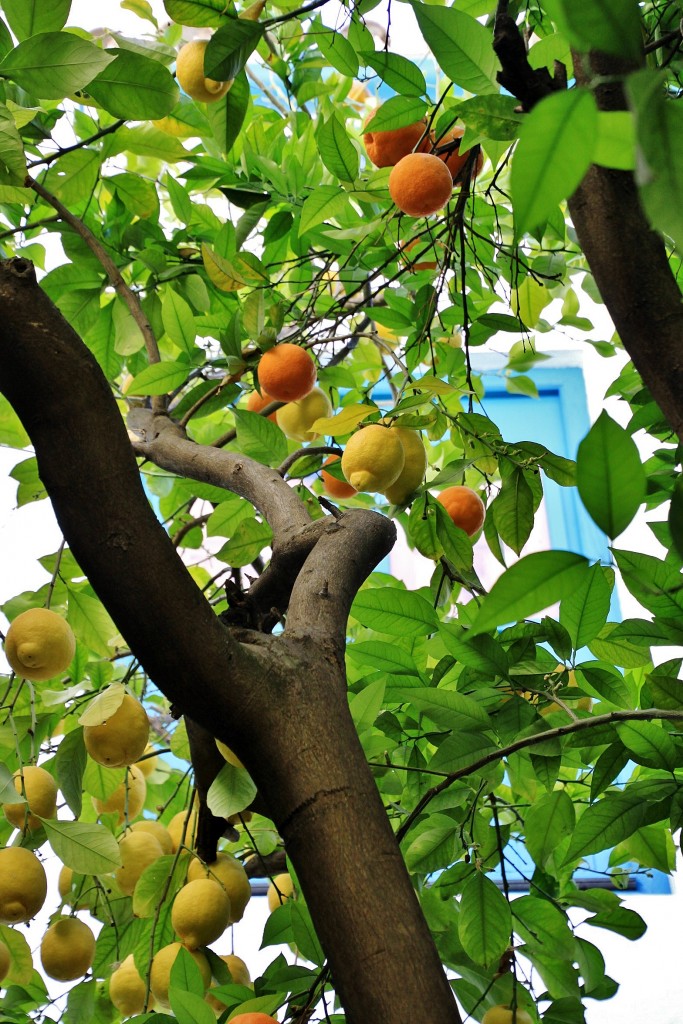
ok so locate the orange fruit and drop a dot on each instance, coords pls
(465, 508)
(386, 148)
(336, 488)
(256, 402)
(420, 264)
(420, 184)
(447, 148)
(286, 372)
(253, 1018)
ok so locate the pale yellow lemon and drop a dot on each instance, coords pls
(6, 961)
(39, 644)
(230, 873)
(280, 890)
(239, 974)
(160, 975)
(67, 949)
(40, 790)
(157, 829)
(23, 885)
(127, 989)
(122, 739)
(176, 827)
(189, 71)
(200, 912)
(296, 418)
(138, 850)
(373, 458)
(134, 788)
(414, 466)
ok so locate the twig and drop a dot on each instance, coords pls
(302, 453)
(110, 268)
(293, 14)
(22, 228)
(78, 145)
(642, 714)
(267, 92)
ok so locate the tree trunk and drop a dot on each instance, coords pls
(279, 702)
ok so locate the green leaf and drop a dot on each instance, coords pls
(616, 142)
(337, 151)
(676, 516)
(659, 152)
(448, 708)
(530, 585)
(230, 47)
(610, 476)
(491, 117)
(30, 17)
(393, 611)
(85, 847)
(543, 926)
(158, 379)
(461, 46)
(457, 546)
(188, 1007)
(70, 761)
(197, 13)
(513, 511)
(554, 152)
(396, 112)
(135, 88)
(607, 767)
(235, 105)
(91, 622)
(606, 823)
(21, 961)
(381, 655)
(304, 934)
(186, 976)
(260, 439)
(336, 50)
(485, 921)
(657, 585)
(137, 195)
(612, 26)
(650, 745)
(584, 611)
(621, 920)
(53, 64)
(549, 820)
(178, 321)
(12, 159)
(246, 544)
(230, 792)
(323, 203)
(437, 846)
(399, 73)
(154, 879)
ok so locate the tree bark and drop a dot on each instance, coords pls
(279, 702)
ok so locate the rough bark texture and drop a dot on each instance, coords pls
(279, 702)
(627, 258)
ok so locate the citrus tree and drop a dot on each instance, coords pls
(210, 293)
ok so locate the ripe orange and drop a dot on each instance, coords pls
(420, 184)
(286, 372)
(465, 508)
(253, 1018)
(256, 402)
(447, 148)
(386, 148)
(336, 488)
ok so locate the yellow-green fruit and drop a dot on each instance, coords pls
(504, 1015)
(39, 644)
(67, 949)
(373, 458)
(239, 973)
(122, 739)
(228, 755)
(189, 71)
(127, 989)
(231, 874)
(41, 793)
(160, 975)
(6, 961)
(414, 466)
(149, 764)
(279, 890)
(23, 885)
(138, 850)
(116, 803)
(64, 884)
(157, 829)
(582, 704)
(200, 912)
(176, 826)
(296, 418)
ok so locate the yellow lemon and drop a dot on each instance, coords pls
(127, 989)
(280, 890)
(176, 826)
(373, 458)
(200, 912)
(67, 949)
(149, 764)
(160, 975)
(230, 873)
(189, 71)
(296, 418)
(41, 794)
(228, 755)
(122, 739)
(39, 644)
(65, 884)
(239, 973)
(138, 851)
(23, 885)
(388, 336)
(414, 466)
(157, 829)
(134, 788)
(6, 961)
(504, 1015)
